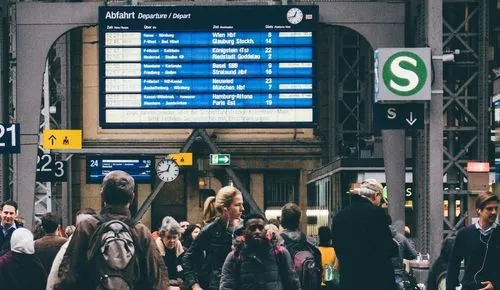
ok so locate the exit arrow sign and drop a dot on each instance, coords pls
(398, 116)
(220, 159)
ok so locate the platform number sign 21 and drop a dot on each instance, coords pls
(10, 138)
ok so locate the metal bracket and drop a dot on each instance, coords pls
(213, 148)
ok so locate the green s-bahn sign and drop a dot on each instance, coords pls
(402, 74)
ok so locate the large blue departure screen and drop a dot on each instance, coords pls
(207, 66)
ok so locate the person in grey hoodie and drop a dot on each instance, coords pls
(406, 250)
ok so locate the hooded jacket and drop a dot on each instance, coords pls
(20, 261)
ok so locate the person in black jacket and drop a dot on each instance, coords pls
(8, 224)
(202, 262)
(479, 246)
(257, 264)
(438, 270)
(363, 241)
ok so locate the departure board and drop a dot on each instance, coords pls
(207, 66)
(139, 167)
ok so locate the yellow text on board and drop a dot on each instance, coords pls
(62, 139)
(182, 159)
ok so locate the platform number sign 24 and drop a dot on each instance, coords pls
(10, 138)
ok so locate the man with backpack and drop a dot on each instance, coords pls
(306, 258)
(112, 251)
(257, 262)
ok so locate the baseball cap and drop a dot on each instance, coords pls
(376, 186)
(372, 184)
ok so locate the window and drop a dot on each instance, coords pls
(280, 188)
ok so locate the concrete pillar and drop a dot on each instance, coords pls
(434, 31)
(257, 189)
(394, 163)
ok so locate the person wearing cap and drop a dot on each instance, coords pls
(19, 269)
(363, 241)
(479, 246)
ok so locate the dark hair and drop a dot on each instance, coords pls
(49, 222)
(290, 216)
(186, 238)
(324, 236)
(9, 202)
(118, 188)
(483, 198)
(38, 231)
(87, 210)
(254, 216)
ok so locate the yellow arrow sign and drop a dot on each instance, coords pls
(183, 159)
(62, 139)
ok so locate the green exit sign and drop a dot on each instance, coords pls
(220, 159)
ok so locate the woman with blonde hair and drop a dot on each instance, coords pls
(209, 211)
(214, 240)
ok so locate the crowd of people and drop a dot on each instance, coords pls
(112, 250)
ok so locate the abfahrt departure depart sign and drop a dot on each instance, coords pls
(207, 66)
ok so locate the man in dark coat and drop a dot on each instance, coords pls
(363, 241)
(257, 264)
(46, 247)
(8, 224)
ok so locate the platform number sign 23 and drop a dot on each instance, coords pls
(50, 170)
(10, 138)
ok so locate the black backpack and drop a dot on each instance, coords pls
(306, 260)
(113, 254)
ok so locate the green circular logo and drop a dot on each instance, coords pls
(404, 73)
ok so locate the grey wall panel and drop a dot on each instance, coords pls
(39, 25)
(380, 29)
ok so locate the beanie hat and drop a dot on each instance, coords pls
(22, 241)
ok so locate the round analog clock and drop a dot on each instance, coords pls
(167, 170)
(294, 15)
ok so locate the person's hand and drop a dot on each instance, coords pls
(196, 286)
(489, 285)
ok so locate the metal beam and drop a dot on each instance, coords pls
(108, 150)
(434, 32)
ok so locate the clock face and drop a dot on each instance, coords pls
(167, 170)
(294, 15)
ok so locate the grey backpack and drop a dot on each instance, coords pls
(113, 255)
